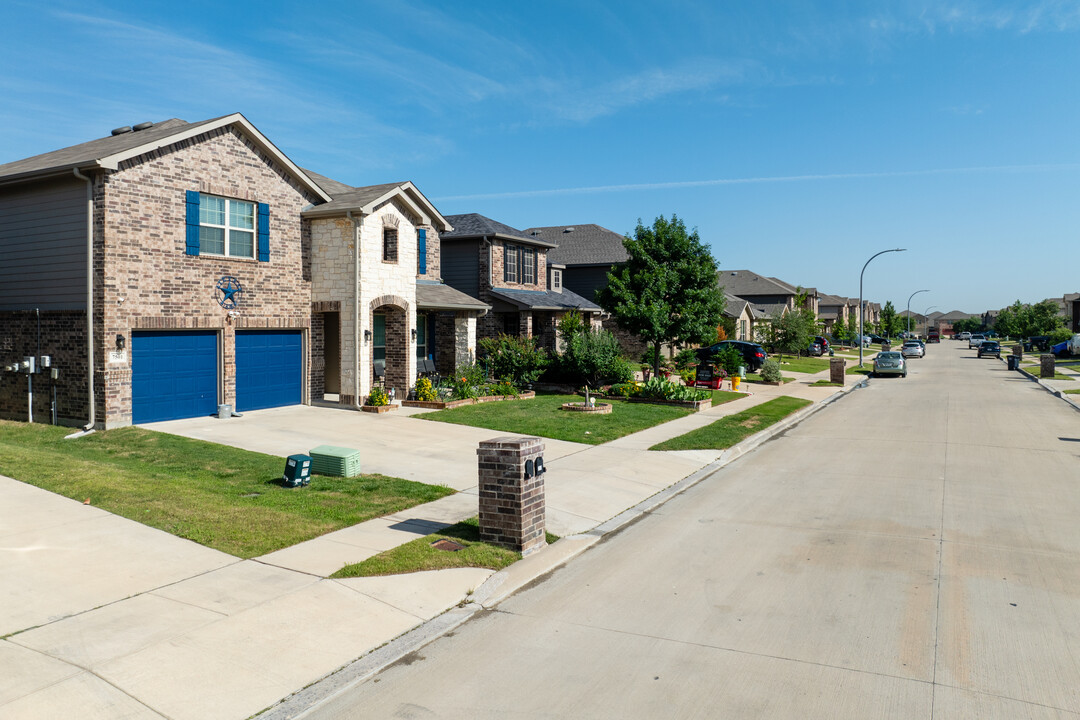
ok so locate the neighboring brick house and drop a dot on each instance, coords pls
(586, 254)
(177, 266)
(508, 269)
(833, 311)
(742, 313)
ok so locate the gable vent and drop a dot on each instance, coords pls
(121, 130)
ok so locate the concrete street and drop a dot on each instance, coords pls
(910, 552)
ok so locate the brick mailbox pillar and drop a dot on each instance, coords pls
(836, 370)
(511, 482)
(1046, 366)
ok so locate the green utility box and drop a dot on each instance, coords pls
(297, 470)
(338, 461)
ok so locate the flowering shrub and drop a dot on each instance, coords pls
(424, 391)
(378, 397)
(625, 390)
(503, 387)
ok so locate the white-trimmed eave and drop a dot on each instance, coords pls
(112, 162)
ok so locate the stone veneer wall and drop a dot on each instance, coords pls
(144, 278)
(63, 339)
(434, 256)
(391, 283)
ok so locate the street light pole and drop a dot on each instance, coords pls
(909, 308)
(861, 309)
(926, 314)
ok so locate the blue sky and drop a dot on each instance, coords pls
(799, 138)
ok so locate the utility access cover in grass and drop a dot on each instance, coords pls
(219, 496)
(733, 429)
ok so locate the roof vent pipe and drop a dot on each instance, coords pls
(121, 130)
(142, 126)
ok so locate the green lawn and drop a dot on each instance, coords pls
(218, 496)
(719, 397)
(866, 369)
(419, 555)
(1073, 392)
(825, 383)
(732, 429)
(804, 364)
(542, 416)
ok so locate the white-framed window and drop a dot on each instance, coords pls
(556, 280)
(510, 264)
(226, 227)
(528, 275)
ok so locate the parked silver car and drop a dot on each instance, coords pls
(975, 341)
(912, 348)
(889, 362)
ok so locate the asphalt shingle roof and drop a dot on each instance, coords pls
(474, 225)
(545, 300)
(437, 296)
(743, 283)
(587, 244)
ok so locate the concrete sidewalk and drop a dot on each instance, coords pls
(107, 618)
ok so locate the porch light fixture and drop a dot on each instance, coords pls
(414, 334)
(120, 341)
(367, 336)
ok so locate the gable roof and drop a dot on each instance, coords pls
(588, 244)
(828, 300)
(108, 152)
(366, 199)
(475, 225)
(735, 306)
(743, 283)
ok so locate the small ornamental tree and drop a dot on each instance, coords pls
(514, 359)
(666, 291)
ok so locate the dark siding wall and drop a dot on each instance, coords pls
(461, 265)
(43, 246)
(585, 281)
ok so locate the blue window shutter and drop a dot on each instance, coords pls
(264, 232)
(421, 238)
(192, 222)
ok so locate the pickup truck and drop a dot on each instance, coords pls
(975, 341)
(933, 336)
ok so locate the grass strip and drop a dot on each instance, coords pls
(543, 416)
(420, 555)
(219, 496)
(804, 365)
(733, 429)
(856, 370)
(719, 397)
(1072, 392)
(825, 383)
(756, 377)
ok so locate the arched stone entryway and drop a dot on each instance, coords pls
(390, 359)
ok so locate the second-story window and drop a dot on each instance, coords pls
(556, 280)
(510, 264)
(528, 274)
(389, 244)
(226, 227)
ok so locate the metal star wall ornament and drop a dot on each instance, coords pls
(229, 291)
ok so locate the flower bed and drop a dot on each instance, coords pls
(446, 405)
(378, 408)
(595, 409)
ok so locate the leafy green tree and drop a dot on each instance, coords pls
(666, 292)
(853, 328)
(891, 323)
(971, 325)
(1042, 318)
(593, 356)
(794, 330)
(1008, 320)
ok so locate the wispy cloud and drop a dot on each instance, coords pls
(584, 103)
(757, 180)
(1042, 16)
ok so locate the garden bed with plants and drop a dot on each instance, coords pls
(448, 404)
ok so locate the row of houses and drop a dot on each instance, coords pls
(170, 268)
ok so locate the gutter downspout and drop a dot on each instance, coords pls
(89, 428)
(357, 223)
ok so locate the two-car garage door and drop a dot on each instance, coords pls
(175, 373)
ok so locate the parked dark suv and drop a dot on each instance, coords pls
(753, 354)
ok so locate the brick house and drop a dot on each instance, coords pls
(173, 267)
(509, 270)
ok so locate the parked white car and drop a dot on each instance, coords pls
(964, 336)
(975, 341)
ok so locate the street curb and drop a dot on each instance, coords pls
(506, 582)
(1053, 391)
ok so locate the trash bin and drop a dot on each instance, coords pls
(1013, 362)
(297, 470)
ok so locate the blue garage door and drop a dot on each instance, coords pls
(269, 368)
(173, 375)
